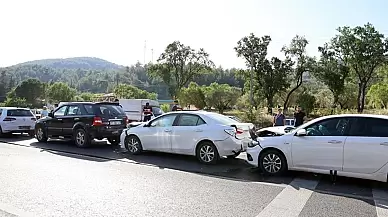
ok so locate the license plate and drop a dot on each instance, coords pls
(115, 122)
(24, 127)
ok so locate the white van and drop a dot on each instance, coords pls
(133, 108)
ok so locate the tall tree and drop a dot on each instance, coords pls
(296, 50)
(363, 49)
(270, 76)
(193, 95)
(332, 72)
(3, 83)
(32, 90)
(60, 91)
(221, 96)
(178, 66)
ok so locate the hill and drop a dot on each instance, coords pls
(90, 63)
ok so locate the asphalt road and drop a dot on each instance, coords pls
(58, 179)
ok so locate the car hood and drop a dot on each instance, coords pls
(136, 124)
(278, 130)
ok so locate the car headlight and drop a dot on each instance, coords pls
(253, 143)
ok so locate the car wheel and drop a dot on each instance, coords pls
(272, 162)
(233, 156)
(114, 141)
(40, 133)
(1, 133)
(133, 144)
(81, 139)
(207, 153)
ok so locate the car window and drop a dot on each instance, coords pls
(73, 110)
(19, 113)
(222, 119)
(157, 111)
(1, 111)
(60, 112)
(89, 109)
(109, 110)
(369, 127)
(165, 121)
(190, 120)
(329, 127)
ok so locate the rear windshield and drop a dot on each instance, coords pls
(109, 110)
(222, 119)
(19, 113)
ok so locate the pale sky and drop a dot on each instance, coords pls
(115, 30)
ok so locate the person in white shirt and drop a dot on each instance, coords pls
(44, 112)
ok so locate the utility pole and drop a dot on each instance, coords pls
(250, 80)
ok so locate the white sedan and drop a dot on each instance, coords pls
(352, 145)
(206, 135)
(17, 120)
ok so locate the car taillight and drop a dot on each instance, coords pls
(33, 119)
(97, 121)
(126, 121)
(9, 119)
(239, 131)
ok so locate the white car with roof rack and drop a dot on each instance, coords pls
(206, 135)
(17, 120)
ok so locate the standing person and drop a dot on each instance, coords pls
(279, 119)
(299, 116)
(147, 112)
(176, 106)
(44, 112)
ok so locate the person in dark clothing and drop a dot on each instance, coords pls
(176, 106)
(147, 112)
(299, 116)
(279, 119)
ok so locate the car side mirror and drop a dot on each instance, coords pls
(301, 132)
(51, 114)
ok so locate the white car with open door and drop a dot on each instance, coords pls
(206, 135)
(352, 145)
(17, 120)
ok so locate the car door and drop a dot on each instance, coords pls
(55, 123)
(186, 133)
(157, 136)
(322, 147)
(69, 119)
(366, 148)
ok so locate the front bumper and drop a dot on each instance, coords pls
(253, 154)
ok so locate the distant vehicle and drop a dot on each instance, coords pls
(290, 122)
(352, 145)
(16, 120)
(37, 113)
(206, 135)
(133, 108)
(82, 122)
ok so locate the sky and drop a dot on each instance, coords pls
(118, 30)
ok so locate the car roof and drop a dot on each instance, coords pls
(94, 103)
(14, 108)
(354, 115)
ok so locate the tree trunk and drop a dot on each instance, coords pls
(361, 97)
(269, 104)
(285, 105)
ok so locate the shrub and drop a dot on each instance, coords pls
(165, 107)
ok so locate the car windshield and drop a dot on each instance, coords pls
(222, 119)
(19, 113)
(109, 110)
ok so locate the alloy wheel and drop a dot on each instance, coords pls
(207, 153)
(133, 145)
(80, 138)
(272, 163)
(39, 134)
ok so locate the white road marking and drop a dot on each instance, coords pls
(14, 211)
(381, 202)
(291, 200)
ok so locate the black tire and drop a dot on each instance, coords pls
(1, 133)
(272, 162)
(207, 153)
(233, 156)
(41, 134)
(81, 138)
(114, 141)
(31, 134)
(133, 144)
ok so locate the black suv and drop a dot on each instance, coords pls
(82, 122)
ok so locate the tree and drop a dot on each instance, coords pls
(270, 75)
(378, 95)
(178, 65)
(306, 101)
(193, 95)
(332, 72)
(130, 92)
(297, 51)
(31, 90)
(87, 97)
(348, 99)
(3, 83)
(363, 49)
(60, 92)
(221, 96)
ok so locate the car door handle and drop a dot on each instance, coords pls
(384, 143)
(167, 130)
(198, 130)
(334, 142)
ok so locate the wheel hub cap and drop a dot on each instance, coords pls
(272, 163)
(133, 145)
(39, 134)
(80, 138)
